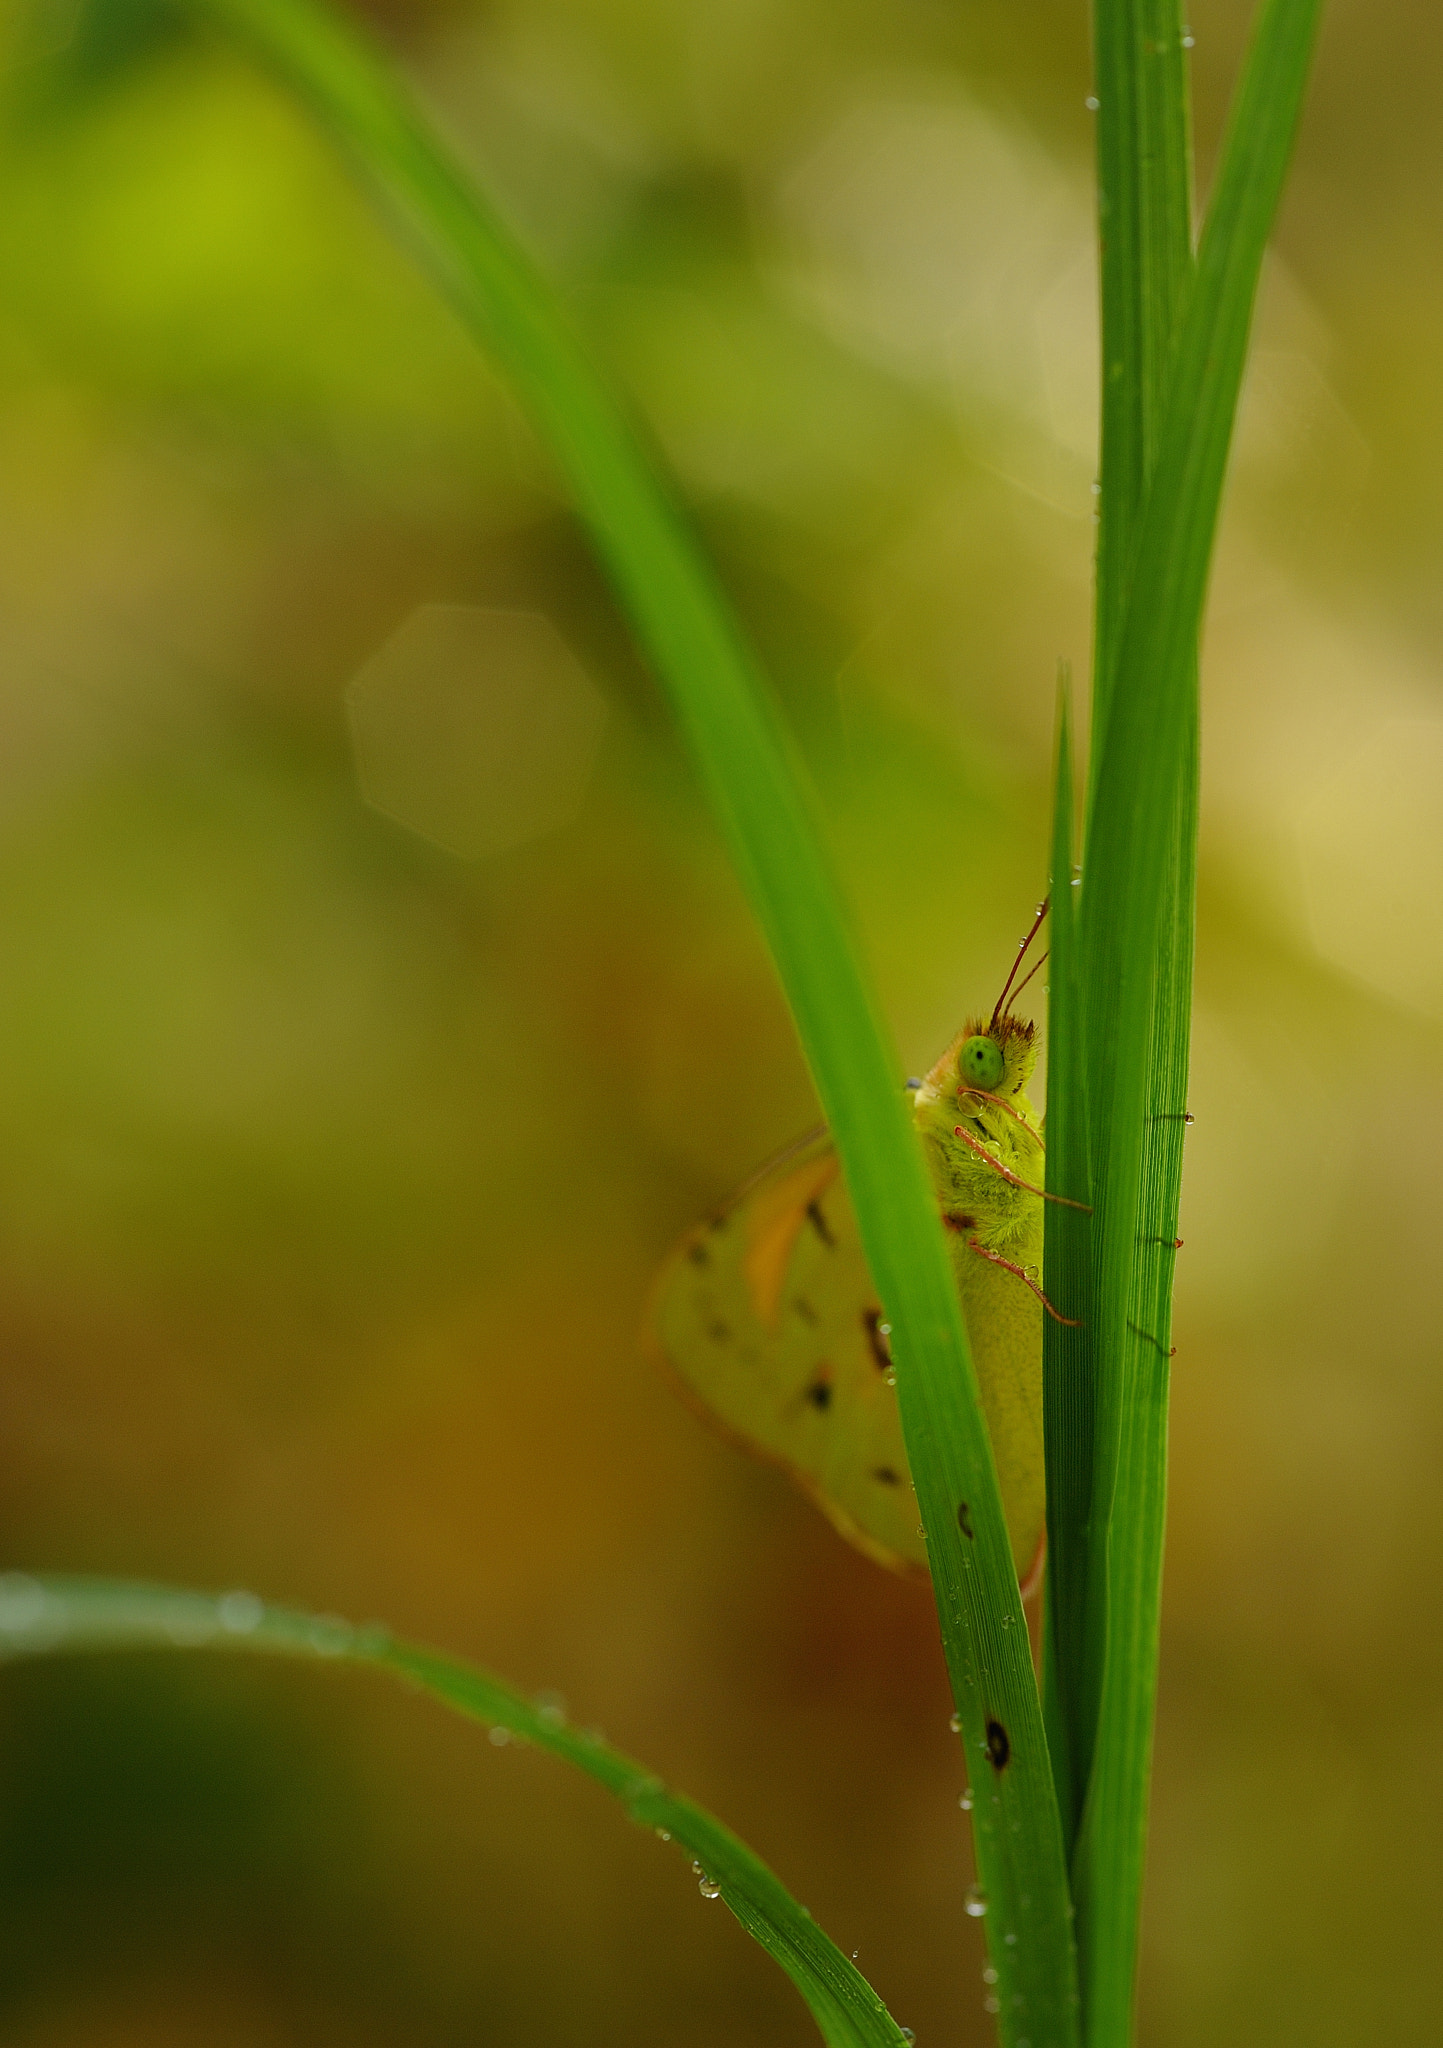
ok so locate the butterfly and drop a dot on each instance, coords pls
(767, 1315)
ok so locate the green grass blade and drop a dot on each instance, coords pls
(60, 1615)
(1144, 222)
(1067, 1370)
(1144, 188)
(747, 767)
(1136, 967)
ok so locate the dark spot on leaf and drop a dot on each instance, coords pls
(885, 1476)
(820, 1394)
(820, 1224)
(957, 1221)
(999, 1749)
(962, 1522)
(805, 1310)
(877, 1338)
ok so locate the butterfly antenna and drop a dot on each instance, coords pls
(1036, 966)
(1021, 950)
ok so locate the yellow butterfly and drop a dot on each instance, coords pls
(768, 1315)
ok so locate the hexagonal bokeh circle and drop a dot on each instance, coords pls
(475, 728)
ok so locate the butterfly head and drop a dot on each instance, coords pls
(985, 1058)
(995, 1057)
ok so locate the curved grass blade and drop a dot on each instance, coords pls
(748, 769)
(1067, 1360)
(1145, 260)
(52, 1615)
(1136, 967)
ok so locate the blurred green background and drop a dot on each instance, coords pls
(333, 1166)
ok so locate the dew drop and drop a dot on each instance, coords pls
(663, 1834)
(708, 1887)
(855, 1953)
(1092, 103)
(329, 1636)
(23, 1602)
(500, 1735)
(884, 1329)
(989, 1975)
(955, 1724)
(1011, 1941)
(698, 1869)
(240, 1612)
(906, 2033)
(551, 1707)
(965, 1802)
(975, 1902)
(992, 2003)
(1189, 42)
(890, 1377)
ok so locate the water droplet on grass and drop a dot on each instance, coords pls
(329, 1636)
(240, 1612)
(974, 1903)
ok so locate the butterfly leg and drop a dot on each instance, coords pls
(1015, 1179)
(982, 1251)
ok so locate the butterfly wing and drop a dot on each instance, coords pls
(1004, 1331)
(768, 1316)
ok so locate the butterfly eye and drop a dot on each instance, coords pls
(980, 1063)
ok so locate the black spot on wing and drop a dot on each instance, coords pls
(819, 1393)
(805, 1310)
(698, 1254)
(877, 1338)
(885, 1476)
(820, 1224)
(962, 1522)
(999, 1749)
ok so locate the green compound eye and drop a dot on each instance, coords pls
(980, 1063)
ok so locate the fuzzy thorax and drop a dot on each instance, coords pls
(970, 1134)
